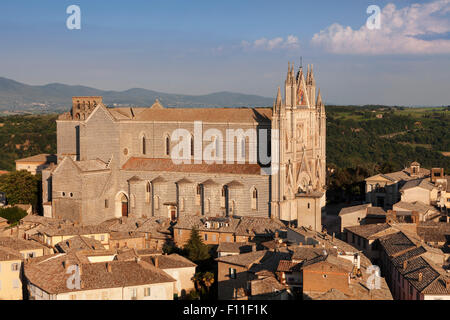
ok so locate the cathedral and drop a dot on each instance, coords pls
(115, 162)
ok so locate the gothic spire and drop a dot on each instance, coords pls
(319, 99)
(277, 103)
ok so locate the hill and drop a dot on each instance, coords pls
(56, 97)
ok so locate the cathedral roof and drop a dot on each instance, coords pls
(233, 115)
(167, 165)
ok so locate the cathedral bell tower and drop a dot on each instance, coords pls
(298, 186)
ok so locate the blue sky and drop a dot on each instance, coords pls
(198, 47)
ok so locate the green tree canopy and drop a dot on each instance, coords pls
(21, 187)
(196, 249)
(12, 214)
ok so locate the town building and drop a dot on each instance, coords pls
(35, 164)
(13, 252)
(360, 214)
(100, 277)
(217, 230)
(383, 190)
(115, 162)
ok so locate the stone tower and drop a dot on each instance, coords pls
(298, 186)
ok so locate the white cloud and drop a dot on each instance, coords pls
(403, 31)
(291, 42)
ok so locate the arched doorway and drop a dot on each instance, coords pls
(121, 205)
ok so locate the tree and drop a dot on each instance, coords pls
(196, 250)
(21, 187)
(208, 279)
(13, 214)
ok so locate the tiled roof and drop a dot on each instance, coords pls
(367, 231)
(172, 261)
(49, 274)
(269, 263)
(434, 231)
(79, 243)
(36, 219)
(352, 209)
(8, 254)
(267, 286)
(235, 247)
(67, 230)
(125, 235)
(245, 259)
(376, 211)
(259, 225)
(414, 206)
(39, 158)
(396, 242)
(422, 183)
(19, 244)
(167, 165)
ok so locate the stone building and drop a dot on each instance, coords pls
(115, 162)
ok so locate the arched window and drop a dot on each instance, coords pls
(254, 199)
(167, 145)
(233, 207)
(192, 145)
(144, 142)
(243, 148)
(147, 192)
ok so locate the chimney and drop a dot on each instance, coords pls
(276, 234)
(332, 237)
(253, 247)
(108, 267)
(156, 262)
(405, 265)
(420, 276)
(447, 283)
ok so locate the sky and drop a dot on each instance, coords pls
(200, 47)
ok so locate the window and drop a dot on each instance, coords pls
(167, 145)
(254, 198)
(243, 148)
(147, 292)
(207, 205)
(31, 255)
(309, 205)
(325, 276)
(192, 145)
(156, 202)
(223, 197)
(228, 239)
(15, 267)
(232, 273)
(147, 192)
(206, 237)
(106, 203)
(63, 194)
(198, 194)
(144, 151)
(71, 194)
(182, 204)
(15, 283)
(102, 237)
(214, 238)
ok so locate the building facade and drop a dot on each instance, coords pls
(115, 162)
